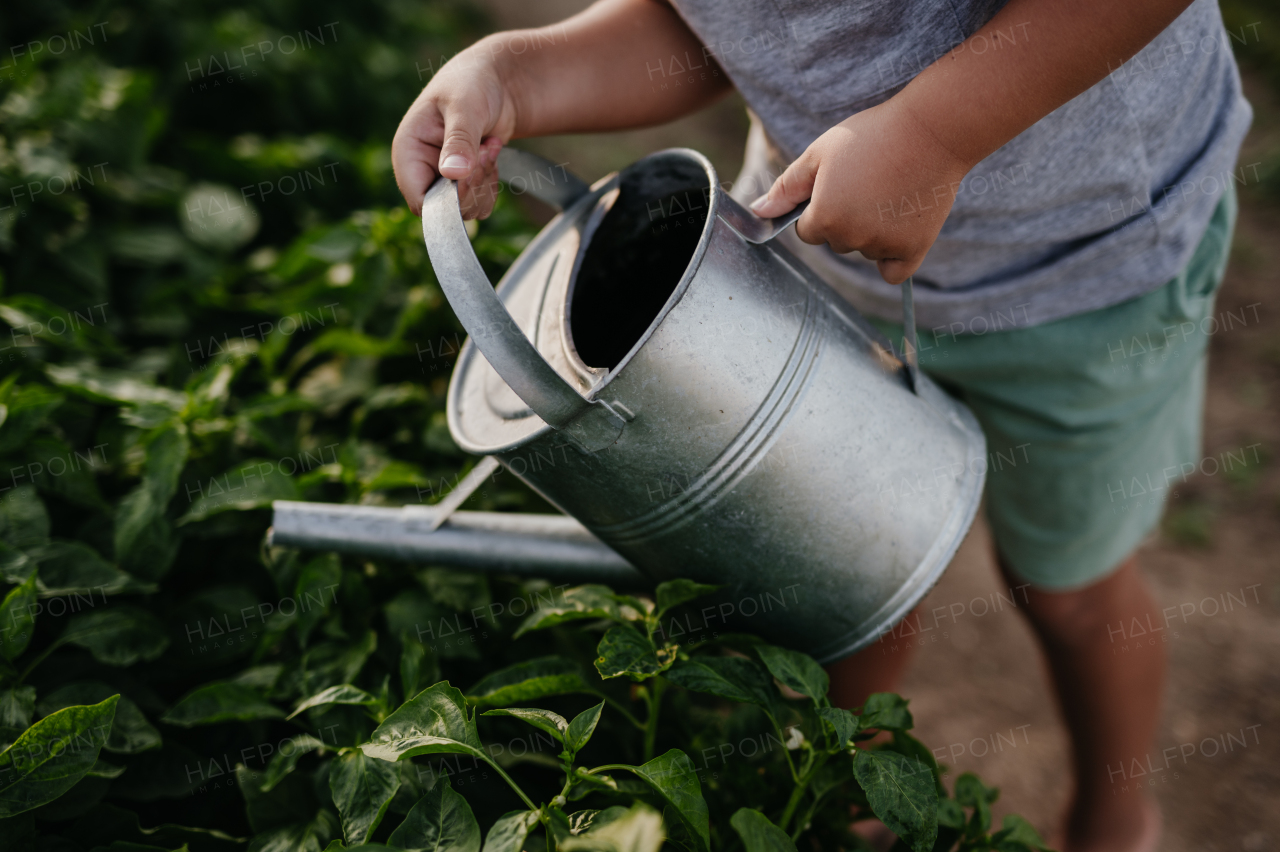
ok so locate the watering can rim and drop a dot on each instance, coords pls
(587, 420)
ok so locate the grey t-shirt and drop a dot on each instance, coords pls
(1100, 201)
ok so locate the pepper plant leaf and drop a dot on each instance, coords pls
(624, 650)
(1016, 830)
(886, 711)
(343, 693)
(675, 592)
(580, 602)
(673, 777)
(582, 727)
(545, 720)
(901, 794)
(436, 721)
(441, 821)
(844, 723)
(529, 681)
(362, 787)
(220, 701)
(798, 671)
(130, 733)
(735, 678)
(637, 829)
(582, 821)
(17, 618)
(972, 793)
(119, 636)
(758, 833)
(510, 831)
(285, 762)
(51, 756)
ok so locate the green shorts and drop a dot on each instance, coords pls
(1090, 420)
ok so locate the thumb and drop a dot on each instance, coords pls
(792, 186)
(465, 123)
(895, 270)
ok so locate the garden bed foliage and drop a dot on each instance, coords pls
(212, 299)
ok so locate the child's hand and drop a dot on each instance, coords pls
(881, 184)
(456, 127)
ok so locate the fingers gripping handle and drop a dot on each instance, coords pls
(590, 424)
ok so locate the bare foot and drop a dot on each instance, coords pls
(1140, 833)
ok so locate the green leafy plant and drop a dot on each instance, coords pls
(167, 681)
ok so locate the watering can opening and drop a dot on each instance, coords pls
(645, 235)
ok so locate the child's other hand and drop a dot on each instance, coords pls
(881, 184)
(456, 127)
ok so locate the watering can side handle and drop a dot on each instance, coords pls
(590, 425)
(756, 230)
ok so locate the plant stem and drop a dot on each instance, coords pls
(801, 788)
(512, 784)
(659, 685)
(53, 646)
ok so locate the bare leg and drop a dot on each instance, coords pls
(1109, 688)
(877, 668)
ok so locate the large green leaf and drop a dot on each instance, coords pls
(362, 787)
(220, 701)
(798, 671)
(735, 678)
(529, 681)
(673, 777)
(131, 732)
(70, 567)
(624, 650)
(544, 720)
(343, 693)
(119, 636)
(758, 834)
(577, 603)
(901, 793)
(17, 618)
(510, 831)
(52, 755)
(441, 821)
(435, 721)
(675, 592)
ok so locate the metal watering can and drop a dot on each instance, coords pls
(705, 405)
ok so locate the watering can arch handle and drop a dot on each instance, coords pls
(591, 425)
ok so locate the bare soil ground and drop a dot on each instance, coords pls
(978, 686)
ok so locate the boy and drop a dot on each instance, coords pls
(1104, 135)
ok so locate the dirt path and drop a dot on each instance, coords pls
(978, 687)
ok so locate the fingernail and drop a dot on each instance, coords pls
(455, 161)
(759, 204)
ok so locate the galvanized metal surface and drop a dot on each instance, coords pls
(550, 546)
(770, 438)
